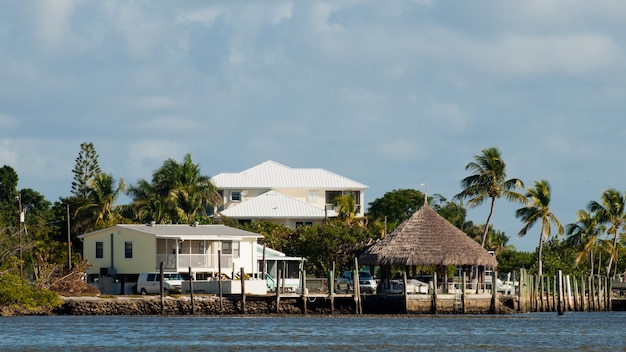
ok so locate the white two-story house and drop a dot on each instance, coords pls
(283, 195)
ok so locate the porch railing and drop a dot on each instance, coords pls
(208, 262)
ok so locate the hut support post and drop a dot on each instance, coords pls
(494, 294)
(463, 293)
(434, 297)
(405, 293)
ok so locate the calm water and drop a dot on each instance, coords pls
(536, 332)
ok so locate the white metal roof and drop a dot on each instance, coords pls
(273, 175)
(186, 232)
(272, 254)
(271, 205)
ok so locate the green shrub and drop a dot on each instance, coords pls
(18, 293)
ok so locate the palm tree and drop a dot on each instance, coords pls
(147, 204)
(189, 190)
(347, 208)
(539, 210)
(610, 211)
(497, 241)
(178, 192)
(102, 194)
(488, 181)
(584, 234)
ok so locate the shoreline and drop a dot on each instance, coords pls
(233, 305)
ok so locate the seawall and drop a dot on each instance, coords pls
(202, 305)
(263, 305)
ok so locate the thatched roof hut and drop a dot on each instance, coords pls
(426, 238)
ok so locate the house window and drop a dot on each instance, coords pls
(303, 223)
(128, 250)
(312, 197)
(231, 247)
(332, 196)
(235, 196)
(99, 250)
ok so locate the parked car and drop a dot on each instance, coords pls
(150, 283)
(367, 284)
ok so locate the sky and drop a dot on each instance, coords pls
(395, 95)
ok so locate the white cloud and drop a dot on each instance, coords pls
(576, 54)
(320, 14)
(169, 125)
(146, 30)
(281, 12)
(7, 122)
(8, 152)
(449, 117)
(52, 23)
(401, 150)
(205, 16)
(151, 103)
(145, 156)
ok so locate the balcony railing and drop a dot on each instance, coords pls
(205, 262)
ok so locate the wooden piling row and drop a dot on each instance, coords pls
(559, 293)
(563, 293)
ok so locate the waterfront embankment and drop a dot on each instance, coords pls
(202, 305)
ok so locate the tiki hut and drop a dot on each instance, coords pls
(427, 239)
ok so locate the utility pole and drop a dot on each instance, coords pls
(69, 242)
(21, 221)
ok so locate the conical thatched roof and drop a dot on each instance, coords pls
(426, 238)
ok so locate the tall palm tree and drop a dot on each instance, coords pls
(539, 210)
(488, 181)
(584, 235)
(610, 211)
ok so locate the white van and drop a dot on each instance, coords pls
(151, 283)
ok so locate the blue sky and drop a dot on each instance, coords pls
(390, 94)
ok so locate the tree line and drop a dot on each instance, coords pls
(178, 193)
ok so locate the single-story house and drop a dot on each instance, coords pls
(125, 250)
